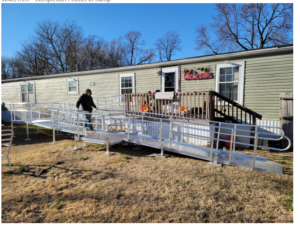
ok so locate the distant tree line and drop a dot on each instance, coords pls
(61, 47)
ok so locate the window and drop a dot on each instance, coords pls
(230, 81)
(169, 79)
(72, 86)
(127, 84)
(27, 92)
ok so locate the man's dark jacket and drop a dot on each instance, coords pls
(86, 102)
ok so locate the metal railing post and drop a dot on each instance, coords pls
(229, 161)
(212, 144)
(51, 115)
(30, 113)
(77, 124)
(255, 148)
(159, 131)
(128, 129)
(57, 125)
(219, 130)
(39, 111)
(14, 111)
(103, 127)
(234, 138)
(171, 134)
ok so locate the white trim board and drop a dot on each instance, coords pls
(241, 78)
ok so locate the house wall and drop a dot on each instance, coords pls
(265, 77)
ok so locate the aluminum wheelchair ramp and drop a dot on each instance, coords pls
(173, 133)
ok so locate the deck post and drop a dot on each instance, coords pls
(255, 148)
(54, 142)
(27, 132)
(229, 161)
(219, 130)
(162, 147)
(212, 144)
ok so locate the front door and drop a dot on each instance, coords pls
(169, 79)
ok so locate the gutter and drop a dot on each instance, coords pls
(161, 64)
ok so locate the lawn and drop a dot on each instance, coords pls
(86, 186)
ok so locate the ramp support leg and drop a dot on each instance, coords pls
(162, 147)
(107, 148)
(75, 144)
(27, 132)
(54, 142)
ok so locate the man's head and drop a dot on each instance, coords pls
(88, 92)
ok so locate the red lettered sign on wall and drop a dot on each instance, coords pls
(197, 76)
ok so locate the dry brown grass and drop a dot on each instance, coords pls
(131, 187)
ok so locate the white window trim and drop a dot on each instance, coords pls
(73, 92)
(241, 78)
(26, 83)
(168, 70)
(120, 84)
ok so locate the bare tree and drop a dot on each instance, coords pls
(62, 42)
(247, 26)
(6, 68)
(167, 45)
(134, 54)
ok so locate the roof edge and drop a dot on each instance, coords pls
(159, 64)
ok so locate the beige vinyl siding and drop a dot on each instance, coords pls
(106, 84)
(265, 77)
(10, 93)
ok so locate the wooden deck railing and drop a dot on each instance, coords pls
(233, 111)
(207, 105)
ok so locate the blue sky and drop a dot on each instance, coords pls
(108, 21)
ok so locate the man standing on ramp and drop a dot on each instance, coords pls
(87, 104)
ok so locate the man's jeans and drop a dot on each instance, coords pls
(88, 122)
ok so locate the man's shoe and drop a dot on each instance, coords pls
(92, 131)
